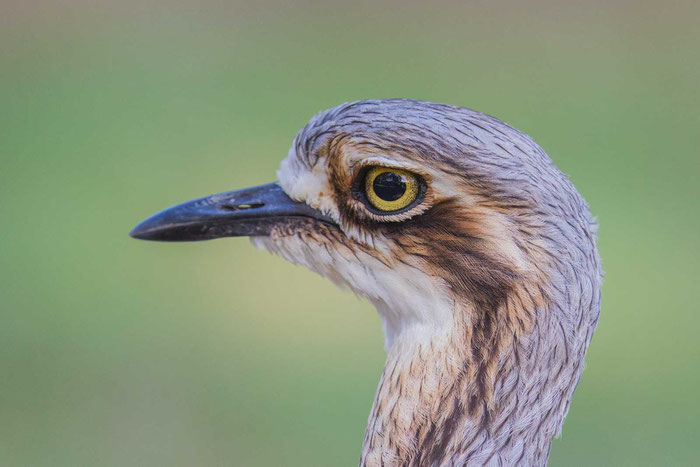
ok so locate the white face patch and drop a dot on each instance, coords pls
(309, 186)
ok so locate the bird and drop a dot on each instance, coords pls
(477, 252)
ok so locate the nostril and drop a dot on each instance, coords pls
(241, 207)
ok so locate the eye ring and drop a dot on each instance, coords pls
(388, 190)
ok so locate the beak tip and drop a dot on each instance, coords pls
(162, 228)
(138, 233)
(145, 230)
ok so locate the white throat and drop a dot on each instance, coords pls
(411, 304)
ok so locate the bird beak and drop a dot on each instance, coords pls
(248, 212)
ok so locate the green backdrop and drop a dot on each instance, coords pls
(117, 352)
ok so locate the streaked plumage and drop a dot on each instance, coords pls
(488, 287)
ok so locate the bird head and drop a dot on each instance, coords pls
(477, 252)
(439, 215)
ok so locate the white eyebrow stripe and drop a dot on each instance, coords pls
(384, 162)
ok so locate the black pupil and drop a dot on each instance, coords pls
(389, 186)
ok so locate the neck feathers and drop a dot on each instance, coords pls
(494, 387)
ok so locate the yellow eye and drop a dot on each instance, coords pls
(390, 190)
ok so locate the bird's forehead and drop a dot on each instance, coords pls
(327, 167)
(442, 142)
(430, 131)
(459, 144)
(376, 125)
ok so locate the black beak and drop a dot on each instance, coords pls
(243, 213)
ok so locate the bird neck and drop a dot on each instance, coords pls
(466, 395)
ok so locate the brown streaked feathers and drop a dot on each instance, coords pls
(489, 290)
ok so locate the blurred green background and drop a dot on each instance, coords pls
(117, 352)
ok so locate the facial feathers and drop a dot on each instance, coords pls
(487, 283)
